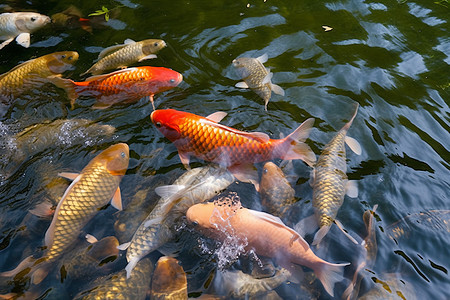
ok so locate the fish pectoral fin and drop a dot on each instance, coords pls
(124, 246)
(100, 105)
(150, 56)
(341, 227)
(267, 79)
(2, 45)
(91, 239)
(277, 89)
(69, 175)
(241, 85)
(153, 221)
(351, 189)
(23, 39)
(246, 173)
(184, 157)
(353, 144)
(321, 234)
(116, 200)
(263, 58)
(306, 226)
(43, 210)
(217, 116)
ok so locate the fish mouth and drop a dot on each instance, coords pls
(151, 116)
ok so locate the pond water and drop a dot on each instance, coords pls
(393, 58)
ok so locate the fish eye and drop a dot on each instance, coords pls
(122, 154)
(63, 56)
(70, 58)
(265, 170)
(155, 44)
(195, 223)
(33, 19)
(172, 80)
(158, 124)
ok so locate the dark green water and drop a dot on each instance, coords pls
(391, 57)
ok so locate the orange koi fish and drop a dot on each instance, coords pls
(210, 141)
(263, 233)
(127, 85)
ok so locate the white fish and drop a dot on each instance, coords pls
(19, 25)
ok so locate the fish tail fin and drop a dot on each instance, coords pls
(349, 123)
(329, 274)
(294, 147)
(131, 264)
(69, 86)
(37, 268)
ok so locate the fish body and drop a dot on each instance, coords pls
(127, 85)
(118, 287)
(169, 280)
(35, 72)
(276, 192)
(256, 77)
(121, 56)
(265, 234)
(390, 287)
(206, 139)
(19, 25)
(330, 182)
(194, 186)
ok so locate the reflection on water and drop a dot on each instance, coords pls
(391, 57)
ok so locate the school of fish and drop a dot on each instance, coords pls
(129, 270)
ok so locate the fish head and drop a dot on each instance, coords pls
(168, 121)
(59, 62)
(244, 65)
(200, 215)
(163, 79)
(152, 46)
(115, 158)
(271, 175)
(29, 21)
(168, 276)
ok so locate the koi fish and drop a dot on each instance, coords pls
(35, 72)
(275, 190)
(194, 186)
(121, 56)
(256, 77)
(169, 280)
(210, 141)
(118, 286)
(127, 85)
(330, 182)
(90, 190)
(19, 25)
(265, 234)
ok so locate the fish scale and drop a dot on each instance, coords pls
(93, 190)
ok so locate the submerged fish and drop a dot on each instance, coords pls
(169, 280)
(434, 220)
(118, 287)
(390, 287)
(35, 72)
(265, 234)
(127, 85)
(276, 192)
(90, 190)
(206, 139)
(19, 25)
(194, 186)
(256, 77)
(330, 182)
(237, 284)
(121, 56)
(369, 255)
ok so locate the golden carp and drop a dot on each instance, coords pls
(90, 190)
(19, 25)
(118, 287)
(194, 186)
(275, 191)
(265, 234)
(330, 182)
(256, 77)
(169, 280)
(35, 73)
(121, 56)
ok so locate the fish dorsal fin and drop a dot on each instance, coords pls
(263, 58)
(51, 229)
(353, 144)
(167, 191)
(102, 76)
(217, 116)
(277, 222)
(116, 200)
(111, 49)
(259, 136)
(68, 175)
(128, 41)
